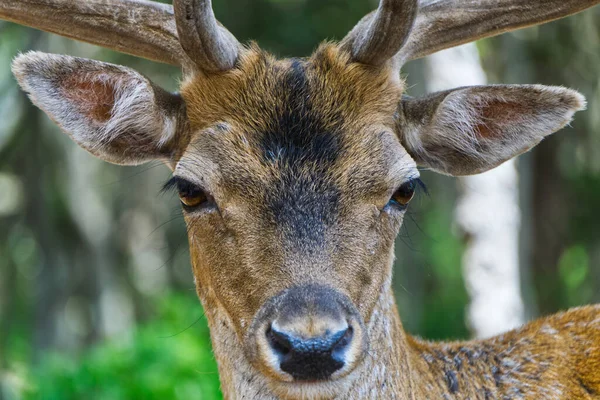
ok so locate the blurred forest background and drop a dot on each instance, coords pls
(96, 294)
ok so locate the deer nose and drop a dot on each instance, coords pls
(313, 358)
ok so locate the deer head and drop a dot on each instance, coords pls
(294, 175)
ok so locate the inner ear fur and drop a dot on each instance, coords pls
(470, 130)
(113, 112)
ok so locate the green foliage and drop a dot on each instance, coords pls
(574, 271)
(160, 360)
(444, 312)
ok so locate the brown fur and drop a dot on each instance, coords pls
(557, 357)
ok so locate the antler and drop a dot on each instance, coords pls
(141, 28)
(138, 27)
(381, 34)
(402, 29)
(440, 24)
(210, 45)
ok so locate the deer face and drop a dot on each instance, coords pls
(292, 236)
(294, 175)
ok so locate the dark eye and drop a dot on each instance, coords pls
(404, 194)
(193, 197)
(190, 194)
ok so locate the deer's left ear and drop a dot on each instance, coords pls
(113, 112)
(470, 130)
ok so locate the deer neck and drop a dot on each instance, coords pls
(385, 373)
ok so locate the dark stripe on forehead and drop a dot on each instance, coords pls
(302, 148)
(298, 132)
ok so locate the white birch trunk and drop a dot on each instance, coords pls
(487, 213)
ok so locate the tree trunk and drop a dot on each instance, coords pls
(487, 214)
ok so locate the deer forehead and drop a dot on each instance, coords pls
(323, 123)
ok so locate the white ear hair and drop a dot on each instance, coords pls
(112, 111)
(131, 112)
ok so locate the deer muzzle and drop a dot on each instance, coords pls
(307, 333)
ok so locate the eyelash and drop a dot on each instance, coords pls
(177, 184)
(420, 186)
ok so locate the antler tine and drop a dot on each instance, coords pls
(442, 24)
(141, 28)
(205, 41)
(381, 34)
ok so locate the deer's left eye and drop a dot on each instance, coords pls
(405, 193)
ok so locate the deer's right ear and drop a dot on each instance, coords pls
(113, 112)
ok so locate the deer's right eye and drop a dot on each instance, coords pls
(191, 195)
(193, 199)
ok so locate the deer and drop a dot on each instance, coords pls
(294, 177)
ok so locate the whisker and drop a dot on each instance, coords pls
(191, 325)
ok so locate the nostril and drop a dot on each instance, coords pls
(344, 340)
(279, 341)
